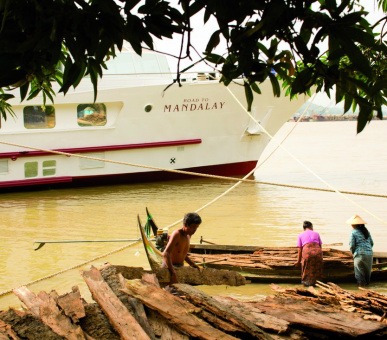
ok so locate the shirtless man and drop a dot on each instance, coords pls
(176, 251)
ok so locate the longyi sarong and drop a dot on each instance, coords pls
(312, 264)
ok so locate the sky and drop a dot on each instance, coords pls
(202, 33)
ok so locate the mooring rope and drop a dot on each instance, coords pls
(250, 173)
(237, 180)
(304, 165)
(132, 244)
(191, 173)
(71, 268)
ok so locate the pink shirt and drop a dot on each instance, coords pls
(308, 236)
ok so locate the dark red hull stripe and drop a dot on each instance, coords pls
(102, 148)
(234, 169)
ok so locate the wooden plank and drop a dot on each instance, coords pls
(379, 265)
(254, 315)
(44, 306)
(96, 324)
(199, 298)
(52, 316)
(186, 274)
(120, 318)
(28, 326)
(176, 311)
(6, 332)
(224, 247)
(323, 319)
(380, 254)
(31, 301)
(205, 276)
(162, 330)
(71, 304)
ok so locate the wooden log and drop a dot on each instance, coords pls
(152, 323)
(176, 311)
(96, 324)
(6, 332)
(206, 302)
(31, 301)
(219, 323)
(56, 320)
(116, 282)
(186, 274)
(254, 315)
(162, 329)
(28, 326)
(44, 307)
(71, 305)
(120, 318)
(324, 319)
(205, 276)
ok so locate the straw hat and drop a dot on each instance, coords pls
(356, 219)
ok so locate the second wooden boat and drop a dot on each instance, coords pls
(272, 264)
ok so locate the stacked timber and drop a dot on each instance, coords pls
(371, 305)
(141, 309)
(276, 263)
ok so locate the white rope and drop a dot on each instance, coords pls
(130, 164)
(239, 181)
(249, 174)
(175, 223)
(9, 291)
(304, 165)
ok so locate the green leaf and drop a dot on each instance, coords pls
(347, 102)
(275, 85)
(24, 90)
(357, 57)
(213, 42)
(365, 112)
(256, 88)
(302, 82)
(249, 96)
(215, 58)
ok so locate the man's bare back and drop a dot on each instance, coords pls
(179, 245)
(176, 251)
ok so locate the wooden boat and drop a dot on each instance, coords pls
(270, 264)
(155, 257)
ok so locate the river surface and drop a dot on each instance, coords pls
(316, 154)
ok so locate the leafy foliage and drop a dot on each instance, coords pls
(297, 44)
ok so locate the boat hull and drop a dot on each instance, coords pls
(236, 169)
(258, 266)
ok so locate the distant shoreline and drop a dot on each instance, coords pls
(328, 118)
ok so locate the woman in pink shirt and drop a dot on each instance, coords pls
(309, 255)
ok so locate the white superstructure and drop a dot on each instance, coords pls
(198, 127)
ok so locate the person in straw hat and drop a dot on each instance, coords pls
(360, 244)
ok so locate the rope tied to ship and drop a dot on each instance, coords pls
(71, 268)
(304, 165)
(238, 180)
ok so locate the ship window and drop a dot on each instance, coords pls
(30, 169)
(49, 168)
(91, 114)
(86, 163)
(3, 166)
(38, 117)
